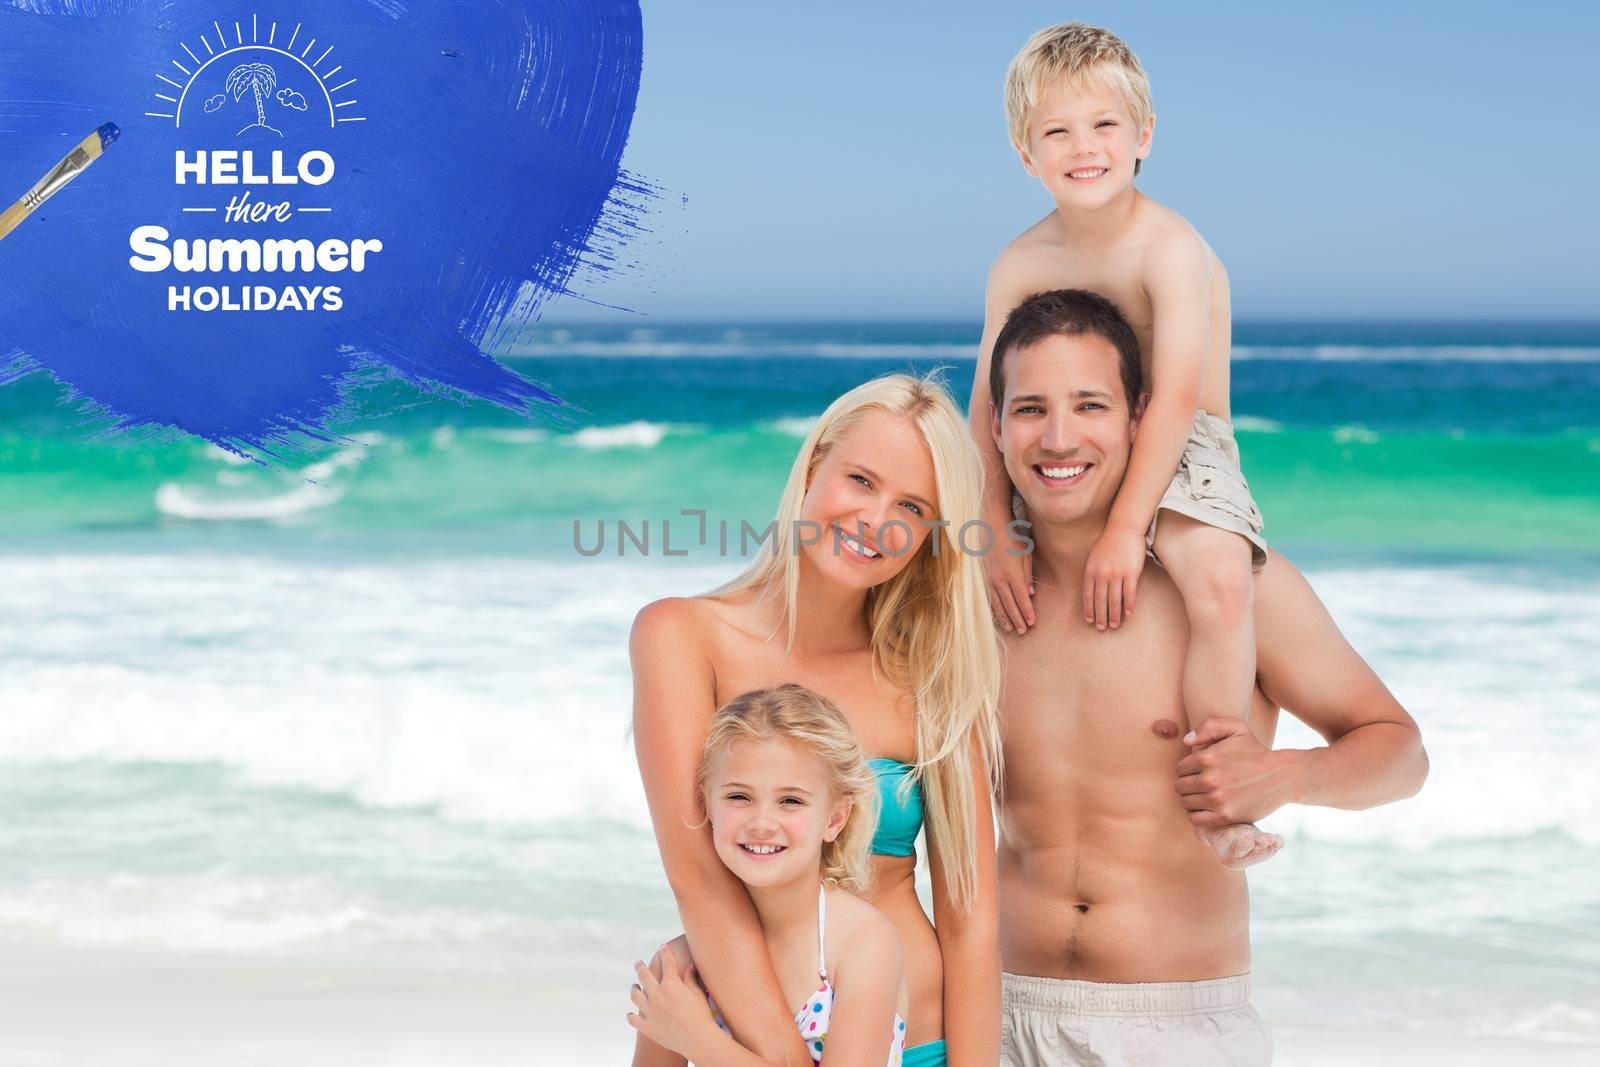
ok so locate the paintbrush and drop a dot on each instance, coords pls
(89, 150)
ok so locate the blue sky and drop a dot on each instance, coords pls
(849, 160)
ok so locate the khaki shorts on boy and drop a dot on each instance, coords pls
(1054, 1022)
(1210, 487)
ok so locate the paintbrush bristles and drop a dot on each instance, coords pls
(107, 135)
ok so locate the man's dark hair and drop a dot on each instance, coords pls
(1066, 313)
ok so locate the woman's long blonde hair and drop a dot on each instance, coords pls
(930, 624)
(794, 713)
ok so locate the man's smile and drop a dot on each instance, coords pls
(1059, 475)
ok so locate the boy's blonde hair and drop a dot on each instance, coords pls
(794, 713)
(1075, 54)
(930, 625)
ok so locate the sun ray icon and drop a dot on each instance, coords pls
(255, 75)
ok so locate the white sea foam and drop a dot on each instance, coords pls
(442, 684)
(1360, 435)
(1256, 424)
(796, 427)
(217, 452)
(214, 912)
(517, 437)
(312, 490)
(629, 435)
(184, 502)
(1558, 1022)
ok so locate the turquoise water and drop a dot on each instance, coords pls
(1458, 439)
(366, 703)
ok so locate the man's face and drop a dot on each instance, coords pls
(1064, 427)
(1082, 144)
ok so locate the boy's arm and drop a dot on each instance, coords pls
(1177, 278)
(1374, 753)
(1009, 577)
(674, 692)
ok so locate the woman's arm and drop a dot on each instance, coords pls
(970, 944)
(673, 1022)
(674, 694)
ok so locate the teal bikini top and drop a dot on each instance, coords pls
(898, 823)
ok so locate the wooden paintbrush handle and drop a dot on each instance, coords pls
(12, 216)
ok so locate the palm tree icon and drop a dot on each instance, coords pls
(257, 78)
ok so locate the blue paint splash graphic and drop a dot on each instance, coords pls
(479, 143)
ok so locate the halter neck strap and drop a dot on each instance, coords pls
(822, 930)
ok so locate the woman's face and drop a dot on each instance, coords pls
(771, 808)
(867, 510)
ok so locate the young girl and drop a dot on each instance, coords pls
(792, 805)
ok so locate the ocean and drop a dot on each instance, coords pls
(365, 705)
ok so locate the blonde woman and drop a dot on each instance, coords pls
(871, 594)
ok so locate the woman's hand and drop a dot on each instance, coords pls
(672, 1009)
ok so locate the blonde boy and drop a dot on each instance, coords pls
(1080, 115)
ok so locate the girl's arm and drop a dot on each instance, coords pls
(866, 986)
(970, 943)
(674, 694)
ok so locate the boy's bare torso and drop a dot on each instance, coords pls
(1048, 255)
(1101, 877)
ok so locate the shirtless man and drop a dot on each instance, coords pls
(1104, 887)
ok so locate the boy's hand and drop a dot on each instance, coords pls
(1009, 576)
(1111, 577)
(672, 1010)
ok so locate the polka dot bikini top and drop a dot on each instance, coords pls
(813, 1018)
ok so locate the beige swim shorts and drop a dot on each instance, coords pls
(1053, 1022)
(1210, 488)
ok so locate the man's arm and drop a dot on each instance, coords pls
(1009, 577)
(1304, 665)
(969, 944)
(674, 693)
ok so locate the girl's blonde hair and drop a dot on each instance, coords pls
(794, 713)
(930, 625)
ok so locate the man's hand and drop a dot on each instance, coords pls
(1230, 777)
(1111, 577)
(1009, 577)
(672, 1009)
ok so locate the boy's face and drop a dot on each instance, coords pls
(1064, 428)
(1082, 144)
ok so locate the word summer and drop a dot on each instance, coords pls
(214, 254)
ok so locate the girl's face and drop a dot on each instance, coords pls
(870, 500)
(771, 808)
